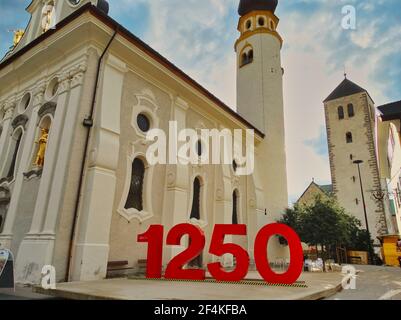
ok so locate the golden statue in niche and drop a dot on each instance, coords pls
(40, 156)
(18, 34)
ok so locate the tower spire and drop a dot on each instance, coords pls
(246, 6)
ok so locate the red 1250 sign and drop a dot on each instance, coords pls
(175, 270)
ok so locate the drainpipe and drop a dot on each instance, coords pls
(88, 123)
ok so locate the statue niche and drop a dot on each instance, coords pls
(42, 143)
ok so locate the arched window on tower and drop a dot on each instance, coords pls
(135, 199)
(250, 56)
(351, 111)
(348, 137)
(272, 26)
(235, 207)
(340, 113)
(246, 56)
(195, 211)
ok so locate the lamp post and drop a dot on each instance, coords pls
(358, 163)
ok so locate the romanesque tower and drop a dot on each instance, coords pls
(260, 96)
(350, 122)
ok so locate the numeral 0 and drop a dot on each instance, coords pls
(175, 269)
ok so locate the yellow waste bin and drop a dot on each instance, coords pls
(391, 250)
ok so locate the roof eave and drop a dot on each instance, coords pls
(88, 7)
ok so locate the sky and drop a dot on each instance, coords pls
(198, 36)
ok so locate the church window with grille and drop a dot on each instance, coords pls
(195, 212)
(351, 111)
(246, 56)
(135, 199)
(340, 113)
(348, 137)
(143, 122)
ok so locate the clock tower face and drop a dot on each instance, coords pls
(74, 2)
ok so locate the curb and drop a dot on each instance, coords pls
(319, 294)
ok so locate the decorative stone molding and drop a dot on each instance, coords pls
(171, 178)
(5, 195)
(147, 211)
(219, 194)
(38, 93)
(64, 83)
(6, 180)
(33, 174)
(147, 105)
(20, 120)
(181, 103)
(252, 203)
(76, 74)
(9, 108)
(47, 108)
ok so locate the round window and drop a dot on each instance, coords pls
(24, 103)
(248, 24)
(143, 122)
(52, 88)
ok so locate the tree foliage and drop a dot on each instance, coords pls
(324, 223)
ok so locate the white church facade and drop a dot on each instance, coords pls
(78, 93)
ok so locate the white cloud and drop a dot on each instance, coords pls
(199, 36)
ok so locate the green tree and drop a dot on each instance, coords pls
(326, 225)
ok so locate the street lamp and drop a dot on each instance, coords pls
(358, 163)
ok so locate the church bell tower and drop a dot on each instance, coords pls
(260, 95)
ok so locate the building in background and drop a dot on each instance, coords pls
(389, 153)
(355, 133)
(314, 190)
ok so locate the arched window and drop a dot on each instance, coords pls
(195, 214)
(247, 56)
(244, 59)
(235, 207)
(340, 113)
(13, 154)
(195, 211)
(134, 199)
(349, 137)
(351, 111)
(250, 56)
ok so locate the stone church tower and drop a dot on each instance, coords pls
(260, 93)
(350, 122)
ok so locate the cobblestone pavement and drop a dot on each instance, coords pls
(374, 283)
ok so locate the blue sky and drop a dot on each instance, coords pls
(198, 36)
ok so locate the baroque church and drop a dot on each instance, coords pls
(78, 94)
